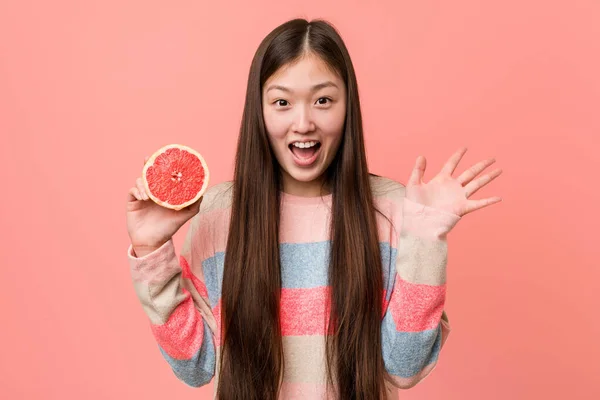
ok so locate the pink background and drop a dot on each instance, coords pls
(87, 89)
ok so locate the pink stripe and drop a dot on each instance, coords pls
(303, 311)
(304, 224)
(181, 336)
(217, 313)
(385, 304)
(187, 274)
(416, 307)
(293, 318)
(388, 233)
(310, 224)
(307, 311)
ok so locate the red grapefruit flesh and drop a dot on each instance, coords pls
(175, 176)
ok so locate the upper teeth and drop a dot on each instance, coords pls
(304, 145)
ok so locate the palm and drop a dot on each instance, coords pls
(150, 224)
(447, 193)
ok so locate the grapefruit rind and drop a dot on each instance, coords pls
(150, 162)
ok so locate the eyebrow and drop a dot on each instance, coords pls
(315, 88)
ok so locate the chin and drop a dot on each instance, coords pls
(303, 176)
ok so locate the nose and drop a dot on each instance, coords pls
(303, 122)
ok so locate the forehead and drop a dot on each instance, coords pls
(304, 73)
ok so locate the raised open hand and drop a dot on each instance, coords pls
(451, 194)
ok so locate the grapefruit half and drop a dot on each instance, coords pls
(175, 176)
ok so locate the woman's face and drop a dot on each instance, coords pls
(304, 109)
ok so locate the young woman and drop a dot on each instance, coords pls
(305, 277)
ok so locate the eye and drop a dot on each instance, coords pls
(281, 102)
(324, 100)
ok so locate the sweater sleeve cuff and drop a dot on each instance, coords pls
(153, 266)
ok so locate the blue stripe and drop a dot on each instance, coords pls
(200, 369)
(405, 354)
(303, 265)
(213, 276)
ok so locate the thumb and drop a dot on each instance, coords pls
(418, 171)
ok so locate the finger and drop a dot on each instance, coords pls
(193, 209)
(478, 183)
(477, 204)
(140, 185)
(475, 170)
(453, 161)
(133, 194)
(418, 171)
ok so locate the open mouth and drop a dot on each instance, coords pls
(305, 153)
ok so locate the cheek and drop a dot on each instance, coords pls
(333, 125)
(276, 127)
(276, 132)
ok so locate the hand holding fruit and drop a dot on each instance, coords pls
(167, 195)
(151, 225)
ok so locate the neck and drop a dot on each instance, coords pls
(313, 188)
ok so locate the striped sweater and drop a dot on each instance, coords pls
(182, 295)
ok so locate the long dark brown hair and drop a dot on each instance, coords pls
(251, 366)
